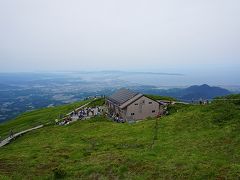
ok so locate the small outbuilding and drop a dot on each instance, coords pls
(129, 105)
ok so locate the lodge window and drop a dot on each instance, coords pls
(132, 114)
(150, 102)
(153, 111)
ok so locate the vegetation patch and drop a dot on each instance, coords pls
(7, 166)
(157, 97)
(97, 102)
(59, 173)
(42, 116)
(187, 144)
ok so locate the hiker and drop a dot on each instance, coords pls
(80, 116)
(56, 121)
(11, 134)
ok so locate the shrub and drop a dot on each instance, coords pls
(224, 112)
(59, 173)
(176, 107)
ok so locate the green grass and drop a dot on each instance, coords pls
(97, 102)
(174, 108)
(37, 117)
(233, 98)
(187, 144)
(157, 97)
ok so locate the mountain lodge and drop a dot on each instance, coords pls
(128, 105)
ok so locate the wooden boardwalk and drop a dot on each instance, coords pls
(9, 139)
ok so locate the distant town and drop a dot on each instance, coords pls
(25, 91)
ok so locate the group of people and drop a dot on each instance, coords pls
(65, 121)
(203, 102)
(116, 118)
(87, 112)
(80, 114)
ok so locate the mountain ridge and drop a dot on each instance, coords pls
(195, 92)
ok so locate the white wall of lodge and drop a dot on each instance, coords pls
(143, 108)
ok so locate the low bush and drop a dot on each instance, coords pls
(59, 173)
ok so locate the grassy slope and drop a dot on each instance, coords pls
(157, 97)
(34, 118)
(97, 102)
(190, 143)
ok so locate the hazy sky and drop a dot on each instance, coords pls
(165, 35)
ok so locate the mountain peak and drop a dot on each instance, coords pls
(205, 86)
(206, 91)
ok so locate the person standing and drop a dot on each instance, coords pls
(11, 133)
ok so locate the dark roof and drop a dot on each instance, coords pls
(122, 95)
